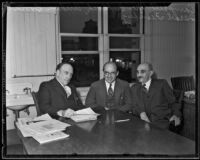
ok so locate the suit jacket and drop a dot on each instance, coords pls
(159, 102)
(97, 94)
(52, 97)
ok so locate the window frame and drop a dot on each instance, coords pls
(103, 38)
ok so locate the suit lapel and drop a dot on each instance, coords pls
(152, 89)
(103, 84)
(117, 89)
(60, 88)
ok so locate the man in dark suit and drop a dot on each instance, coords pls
(109, 92)
(153, 99)
(58, 96)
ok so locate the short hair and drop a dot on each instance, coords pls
(150, 66)
(61, 64)
(110, 62)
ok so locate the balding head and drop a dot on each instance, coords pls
(64, 72)
(144, 72)
(110, 64)
(147, 65)
(110, 71)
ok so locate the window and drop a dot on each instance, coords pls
(90, 36)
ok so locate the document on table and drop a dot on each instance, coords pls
(25, 131)
(40, 125)
(50, 137)
(82, 115)
(22, 124)
(47, 127)
(26, 121)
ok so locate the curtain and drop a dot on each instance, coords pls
(30, 41)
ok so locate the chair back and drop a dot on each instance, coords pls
(35, 99)
(184, 83)
(178, 94)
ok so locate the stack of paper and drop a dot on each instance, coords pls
(82, 115)
(43, 128)
(50, 137)
(46, 127)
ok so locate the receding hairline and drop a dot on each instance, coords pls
(110, 63)
(149, 65)
(60, 65)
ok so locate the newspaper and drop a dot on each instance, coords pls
(50, 137)
(43, 128)
(47, 127)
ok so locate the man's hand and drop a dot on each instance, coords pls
(176, 119)
(68, 113)
(144, 117)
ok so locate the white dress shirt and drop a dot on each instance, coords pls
(67, 89)
(147, 84)
(108, 85)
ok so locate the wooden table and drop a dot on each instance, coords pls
(105, 136)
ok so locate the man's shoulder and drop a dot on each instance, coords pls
(48, 83)
(98, 83)
(122, 82)
(160, 81)
(135, 85)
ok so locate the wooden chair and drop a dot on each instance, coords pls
(35, 99)
(179, 95)
(180, 85)
(184, 83)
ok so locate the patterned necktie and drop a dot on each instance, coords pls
(110, 91)
(144, 88)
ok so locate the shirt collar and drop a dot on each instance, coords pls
(147, 84)
(108, 84)
(60, 82)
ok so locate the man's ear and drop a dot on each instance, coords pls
(57, 72)
(117, 73)
(151, 73)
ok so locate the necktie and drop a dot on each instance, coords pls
(144, 88)
(110, 90)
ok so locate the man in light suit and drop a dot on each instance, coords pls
(153, 99)
(109, 92)
(58, 96)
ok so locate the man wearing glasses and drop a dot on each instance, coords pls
(109, 92)
(153, 99)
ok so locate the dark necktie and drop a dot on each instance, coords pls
(110, 90)
(144, 88)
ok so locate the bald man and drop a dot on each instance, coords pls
(109, 92)
(58, 97)
(153, 99)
